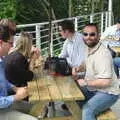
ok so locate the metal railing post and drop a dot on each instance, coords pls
(76, 24)
(110, 12)
(106, 20)
(38, 39)
(102, 15)
(51, 41)
(91, 18)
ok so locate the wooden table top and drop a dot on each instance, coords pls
(51, 88)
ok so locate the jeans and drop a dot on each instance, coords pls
(116, 62)
(95, 103)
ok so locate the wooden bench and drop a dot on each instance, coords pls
(107, 115)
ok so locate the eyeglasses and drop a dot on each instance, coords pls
(92, 34)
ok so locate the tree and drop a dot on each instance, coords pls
(8, 9)
(116, 9)
(34, 11)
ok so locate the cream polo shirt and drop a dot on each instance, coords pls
(99, 65)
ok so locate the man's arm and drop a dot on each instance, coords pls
(6, 101)
(64, 53)
(98, 83)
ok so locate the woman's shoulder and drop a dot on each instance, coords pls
(14, 56)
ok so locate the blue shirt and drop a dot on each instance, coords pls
(5, 100)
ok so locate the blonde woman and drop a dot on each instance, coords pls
(17, 62)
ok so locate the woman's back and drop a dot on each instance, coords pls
(17, 69)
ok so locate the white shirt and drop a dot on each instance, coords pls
(73, 50)
(111, 31)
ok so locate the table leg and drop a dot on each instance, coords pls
(51, 110)
(75, 110)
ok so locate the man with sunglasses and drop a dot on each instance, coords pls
(100, 85)
(73, 48)
(8, 103)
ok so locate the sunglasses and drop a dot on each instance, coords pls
(92, 34)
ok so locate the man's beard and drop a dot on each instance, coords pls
(92, 44)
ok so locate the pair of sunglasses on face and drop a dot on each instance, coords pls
(92, 34)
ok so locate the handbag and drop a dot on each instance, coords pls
(58, 65)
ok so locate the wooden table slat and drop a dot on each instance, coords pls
(71, 91)
(43, 90)
(53, 90)
(33, 92)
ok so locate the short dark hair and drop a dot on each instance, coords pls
(67, 25)
(4, 33)
(92, 25)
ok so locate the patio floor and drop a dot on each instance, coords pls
(116, 109)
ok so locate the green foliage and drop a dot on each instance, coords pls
(84, 7)
(116, 9)
(34, 11)
(30, 11)
(8, 9)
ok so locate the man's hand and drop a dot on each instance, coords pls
(81, 82)
(81, 68)
(21, 93)
(35, 52)
(75, 70)
(14, 88)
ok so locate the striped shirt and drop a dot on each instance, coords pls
(111, 31)
(73, 50)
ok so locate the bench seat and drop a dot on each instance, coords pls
(107, 115)
(60, 118)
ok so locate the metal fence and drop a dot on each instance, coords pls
(40, 31)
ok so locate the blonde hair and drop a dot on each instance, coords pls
(23, 44)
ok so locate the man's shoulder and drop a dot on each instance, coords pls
(78, 37)
(77, 33)
(104, 51)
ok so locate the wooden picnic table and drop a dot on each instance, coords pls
(55, 88)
